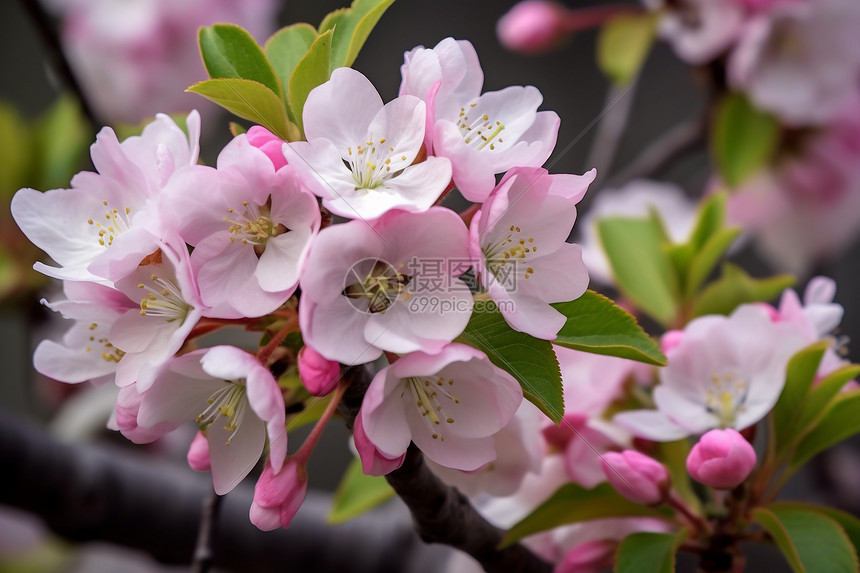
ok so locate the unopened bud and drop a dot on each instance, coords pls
(636, 476)
(722, 459)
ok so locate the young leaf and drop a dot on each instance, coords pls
(529, 360)
(642, 268)
(734, 288)
(351, 27)
(706, 257)
(811, 542)
(357, 493)
(840, 421)
(252, 101)
(649, 552)
(710, 219)
(816, 403)
(573, 503)
(17, 144)
(230, 52)
(311, 71)
(285, 49)
(58, 158)
(595, 324)
(623, 44)
(799, 375)
(849, 523)
(744, 138)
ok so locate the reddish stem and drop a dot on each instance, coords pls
(470, 212)
(304, 452)
(266, 352)
(699, 524)
(587, 18)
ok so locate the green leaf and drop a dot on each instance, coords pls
(352, 27)
(357, 493)
(744, 138)
(623, 44)
(840, 421)
(531, 361)
(674, 457)
(312, 70)
(573, 503)
(16, 142)
(59, 158)
(285, 49)
(642, 269)
(734, 288)
(849, 523)
(706, 258)
(810, 541)
(649, 552)
(230, 52)
(799, 375)
(710, 219)
(252, 101)
(595, 324)
(819, 398)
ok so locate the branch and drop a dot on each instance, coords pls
(440, 513)
(98, 493)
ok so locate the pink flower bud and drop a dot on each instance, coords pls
(268, 143)
(670, 340)
(532, 27)
(589, 557)
(198, 454)
(636, 476)
(722, 459)
(278, 496)
(318, 374)
(373, 463)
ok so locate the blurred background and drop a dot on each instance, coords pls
(666, 94)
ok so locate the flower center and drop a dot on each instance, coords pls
(379, 287)
(725, 397)
(229, 401)
(110, 353)
(252, 225)
(432, 396)
(371, 163)
(506, 257)
(116, 221)
(481, 132)
(163, 299)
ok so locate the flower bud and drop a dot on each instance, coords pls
(722, 459)
(318, 374)
(268, 143)
(532, 27)
(278, 496)
(198, 454)
(670, 340)
(637, 477)
(373, 463)
(589, 557)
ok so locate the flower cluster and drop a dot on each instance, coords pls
(155, 250)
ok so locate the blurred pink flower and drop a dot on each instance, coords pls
(637, 477)
(721, 459)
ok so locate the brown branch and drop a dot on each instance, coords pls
(440, 513)
(204, 553)
(98, 493)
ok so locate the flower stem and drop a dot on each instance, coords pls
(698, 523)
(304, 452)
(266, 352)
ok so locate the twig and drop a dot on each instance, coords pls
(204, 552)
(440, 513)
(662, 153)
(58, 58)
(619, 100)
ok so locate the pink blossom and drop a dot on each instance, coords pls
(637, 198)
(592, 381)
(251, 228)
(135, 58)
(518, 240)
(318, 374)
(124, 418)
(520, 449)
(532, 27)
(482, 134)
(589, 557)
(721, 459)
(701, 30)
(107, 222)
(450, 404)
(726, 372)
(268, 143)
(360, 156)
(637, 477)
(582, 442)
(392, 285)
(223, 381)
(373, 462)
(278, 495)
(798, 60)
